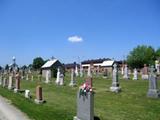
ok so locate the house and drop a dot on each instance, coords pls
(95, 64)
(70, 66)
(49, 66)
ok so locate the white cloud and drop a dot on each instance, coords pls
(75, 39)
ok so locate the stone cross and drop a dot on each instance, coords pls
(73, 77)
(115, 82)
(135, 74)
(126, 73)
(153, 86)
(39, 96)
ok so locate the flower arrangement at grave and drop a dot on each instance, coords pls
(85, 88)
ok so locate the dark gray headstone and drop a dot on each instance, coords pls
(85, 107)
(153, 87)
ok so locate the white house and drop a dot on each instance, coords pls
(49, 65)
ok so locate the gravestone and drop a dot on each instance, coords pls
(157, 66)
(4, 81)
(89, 81)
(58, 77)
(89, 74)
(32, 78)
(115, 82)
(47, 77)
(126, 73)
(122, 70)
(153, 91)
(73, 77)
(4, 84)
(27, 77)
(61, 79)
(27, 94)
(135, 74)
(10, 84)
(85, 106)
(81, 71)
(76, 71)
(105, 74)
(17, 86)
(1, 79)
(145, 73)
(39, 96)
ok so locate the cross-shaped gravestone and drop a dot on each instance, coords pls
(115, 82)
(153, 86)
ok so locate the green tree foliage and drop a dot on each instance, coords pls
(7, 67)
(37, 63)
(158, 53)
(141, 55)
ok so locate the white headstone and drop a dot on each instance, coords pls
(27, 94)
(47, 77)
(122, 70)
(73, 76)
(61, 79)
(89, 71)
(58, 76)
(126, 72)
(27, 78)
(76, 71)
(10, 84)
(81, 71)
(135, 74)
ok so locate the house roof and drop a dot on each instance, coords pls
(108, 63)
(71, 65)
(49, 63)
(93, 61)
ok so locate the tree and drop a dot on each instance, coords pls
(7, 67)
(24, 67)
(1, 68)
(141, 55)
(37, 63)
(158, 53)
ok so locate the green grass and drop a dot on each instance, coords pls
(130, 104)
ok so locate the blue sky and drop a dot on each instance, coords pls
(104, 28)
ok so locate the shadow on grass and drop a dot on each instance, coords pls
(96, 118)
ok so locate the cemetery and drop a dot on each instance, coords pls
(87, 97)
(80, 60)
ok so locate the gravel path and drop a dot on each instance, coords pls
(9, 112)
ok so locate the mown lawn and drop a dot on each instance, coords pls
(130, 104)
